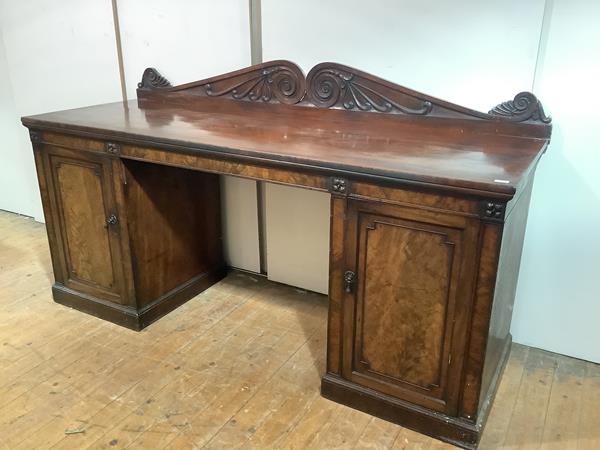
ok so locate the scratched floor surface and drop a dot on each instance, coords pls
(238, 366)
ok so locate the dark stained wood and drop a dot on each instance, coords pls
(174, 227)
(509, 263)
(400, 337)
(480, 152)
(429, 204)
(489, 248)
(330, 85)
(396, 148)
(123, 250)
(490, 339)
(446, 428)
(83, 216)
(275, 81)
(337, 266)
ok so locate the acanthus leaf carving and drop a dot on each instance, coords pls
(525, 106)
(281, 81)
(332, 85)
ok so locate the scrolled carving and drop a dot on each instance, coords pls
(280, 80)
(331, 85)
(525, 106)
(152, 79)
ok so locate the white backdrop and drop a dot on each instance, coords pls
(475, 53)
(59, 55)
(56, 55)
(429, 46)
(558, 298)
(15, 192)
(478, 54)
(188, 40)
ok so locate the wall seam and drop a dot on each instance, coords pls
(117, 27)
(255, 16)
(542, 43)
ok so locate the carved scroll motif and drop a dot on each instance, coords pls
(332, 85)
(525, 106)
(152, 79)
(282, 81)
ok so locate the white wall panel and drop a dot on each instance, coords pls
(186, 41)
(474, 53)
(471, 52)
(558, 299)
(15, 189)
(59, 55)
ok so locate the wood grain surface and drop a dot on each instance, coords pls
(237, 367)
(458, 153)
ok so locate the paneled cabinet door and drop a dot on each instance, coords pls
(408, 285)
(86, 224)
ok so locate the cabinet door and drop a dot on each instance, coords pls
(86, 224)
(405, 310)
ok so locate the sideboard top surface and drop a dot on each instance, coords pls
(442, 151)
(336, 119)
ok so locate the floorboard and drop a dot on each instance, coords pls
(238, 366)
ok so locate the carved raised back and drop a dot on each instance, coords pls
(275, 81)
(335, 86)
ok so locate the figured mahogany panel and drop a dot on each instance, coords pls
(81, 196)
(413, 281)
(406, 306)
(87, 226)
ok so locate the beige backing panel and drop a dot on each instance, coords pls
(297, 236)
(240, 223)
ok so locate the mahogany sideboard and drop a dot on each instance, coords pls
(429, 204)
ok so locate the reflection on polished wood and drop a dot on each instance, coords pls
(239, 366)
(429, 204)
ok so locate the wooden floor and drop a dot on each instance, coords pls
(238, 366)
